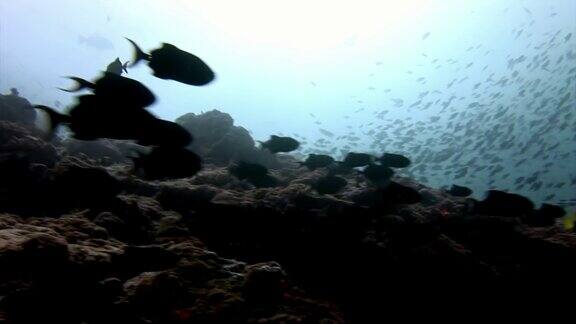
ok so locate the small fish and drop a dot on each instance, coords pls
(394, 160)
(277, 144)
(314, 161)
(97, 42)
(325, 132)
(117, 67)
(329, 184)
(426, 35)
(354, 160)
(459, 191)
(170, 62)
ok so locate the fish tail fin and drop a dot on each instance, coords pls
(139, 54)
(80, 84)
(55, 117)
(125, 66)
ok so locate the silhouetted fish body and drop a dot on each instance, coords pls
(314, 161)
(167, 163)
(355, 160)
(254, 173)
(171, 63)
(277, 144)
(378, 173)
(500, 203)
(117, 90)
(394, 160)
(89, 120)
(329, 184)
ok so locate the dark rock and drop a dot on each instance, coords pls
(264, 283)
(105, 152)
(17, 109)
(218, 141)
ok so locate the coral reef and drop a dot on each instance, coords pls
(218, 141)
(84, 241)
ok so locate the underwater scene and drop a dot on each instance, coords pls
(270, 161)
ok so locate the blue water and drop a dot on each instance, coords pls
(478, 93)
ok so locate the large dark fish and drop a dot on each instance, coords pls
(355, 160)
(119, 90)
(164, 163)
(278, 144)
(254, 173)
(315, 161)
(378, 174)
(394, 160)
(500, 203)
(395, 193)
(546, 215)
(329, 184)
(88, 120)
(171, 63)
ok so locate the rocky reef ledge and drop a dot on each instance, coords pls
(82, 240)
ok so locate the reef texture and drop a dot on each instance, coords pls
(218, 141)
(83, 241)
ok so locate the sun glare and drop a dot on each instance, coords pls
(309, 26)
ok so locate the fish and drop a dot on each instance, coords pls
(116, 89)
(426, 35)
(97, 42)
(378, 174)
(395, 193)
(254, 173)
(88, 121)
(329, 184)
(117, 67)
(394, 160)
(325, 132)
(501, 203)
(277, 144)
(546, 215)
(354, 160)
(171, 63)
(244, 170)
(459, 191)
(315, 161)
(163, 163)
